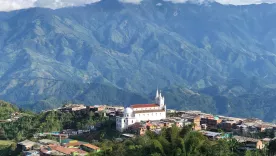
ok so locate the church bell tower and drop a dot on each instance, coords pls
(159, 99)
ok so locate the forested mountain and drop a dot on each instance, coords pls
(57, 55)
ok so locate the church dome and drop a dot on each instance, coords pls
(128, 111)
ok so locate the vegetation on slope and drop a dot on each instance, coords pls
(6, 109)
(51, 56)
(175, 142)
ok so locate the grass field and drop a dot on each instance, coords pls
(4, 144)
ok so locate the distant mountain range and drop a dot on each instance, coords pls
(112, 52)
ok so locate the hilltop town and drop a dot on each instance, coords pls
(119, 123)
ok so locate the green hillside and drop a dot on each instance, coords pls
(48, 57)
(6, 110)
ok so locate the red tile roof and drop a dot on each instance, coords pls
(149, 111)
(91, 146)
(61, 149)
(72, 144)
(78, 151)
(144, 105)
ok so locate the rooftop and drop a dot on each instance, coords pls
(210, 134)
(144, 105)
(91, 146)
(47, 141)
(149, 111)
(27, 143)
(245, 139)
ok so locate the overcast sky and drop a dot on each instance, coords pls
(8, 5)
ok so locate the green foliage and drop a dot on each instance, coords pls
(171, 142)
(52, 121)
(6, 110)
(272, 147)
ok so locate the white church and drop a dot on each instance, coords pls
(142, 112)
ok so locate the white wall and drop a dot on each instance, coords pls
(146, 108)
(123, 123)
(150, 116)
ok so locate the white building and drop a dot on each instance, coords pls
(142, 112)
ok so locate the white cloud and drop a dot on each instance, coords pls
(245, 2)
(8, 5)
(225, 2)
(131, 1)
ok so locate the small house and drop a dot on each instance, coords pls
(90, 148)
(26, 145)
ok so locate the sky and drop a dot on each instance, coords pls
(8, 5)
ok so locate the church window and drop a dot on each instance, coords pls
(124, 120)
(132, 121)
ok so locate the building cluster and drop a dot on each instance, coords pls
(13, 117)
(142, 112)
(239, 126)
(66, 147)
(106, 110)
(139, 118)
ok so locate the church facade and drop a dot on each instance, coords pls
(142, 112)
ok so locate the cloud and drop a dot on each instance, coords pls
(131, 1)
(245, 2)
(225, 2)
(8, 5)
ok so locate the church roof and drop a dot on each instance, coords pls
(149, 111)
(144, 105)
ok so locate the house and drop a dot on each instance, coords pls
(211, 135)
(249, 143)
(61, 151)
(137, 128)
(48, 142)
(211, 122)
(73, 108)
(215, 135)
(196, 120)
(47, 151)
(227, 125)
(26, 145)
(31, 153)
(90, 148)
(98, 108)
(78, 152)
(73, 144)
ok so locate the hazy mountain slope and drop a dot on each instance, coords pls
(135, 48)
(140, 46)
(35, 95)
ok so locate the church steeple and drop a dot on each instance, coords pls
(157, 93)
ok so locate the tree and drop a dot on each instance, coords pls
(157, 147)
(272, 147)
(221, 148)
(248, 153)
(2, 134)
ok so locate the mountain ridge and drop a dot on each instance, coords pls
(135, 48)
